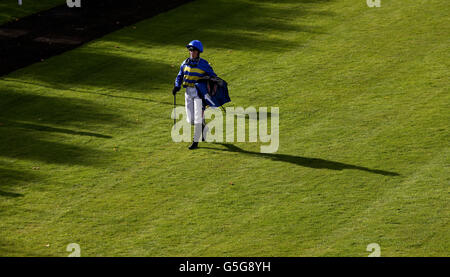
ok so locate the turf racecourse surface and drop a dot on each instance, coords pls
(86, 155)
(54, 31)
(10, 10)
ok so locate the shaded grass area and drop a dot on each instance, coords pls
(10, 9)
(86, 154)
(304, 161)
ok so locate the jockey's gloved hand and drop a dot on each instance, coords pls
(175, 90)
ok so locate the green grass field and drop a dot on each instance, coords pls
(10, 9)
(86, 154)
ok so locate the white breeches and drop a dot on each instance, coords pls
(193, 105)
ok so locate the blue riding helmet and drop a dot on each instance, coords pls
(196, 44)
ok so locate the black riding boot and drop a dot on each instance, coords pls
(198, 130)
(193, 146)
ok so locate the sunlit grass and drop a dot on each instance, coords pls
(86, 154)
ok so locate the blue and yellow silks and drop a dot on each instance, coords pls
(191, 71)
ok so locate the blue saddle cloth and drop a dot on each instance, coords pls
(213, 91)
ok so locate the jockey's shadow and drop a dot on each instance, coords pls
(303, 161)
